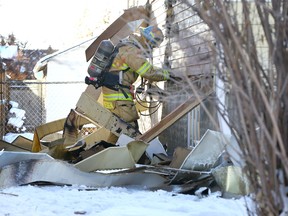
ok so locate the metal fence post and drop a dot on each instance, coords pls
(3, 99)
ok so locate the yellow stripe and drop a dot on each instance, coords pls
(166, 74)
(144, 68)
(118, 96)
(122, 67)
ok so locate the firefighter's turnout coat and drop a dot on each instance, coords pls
(131, 60)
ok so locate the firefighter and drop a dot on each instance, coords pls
(132, 62)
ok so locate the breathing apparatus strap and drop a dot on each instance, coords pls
(107, 78)
(111, 80)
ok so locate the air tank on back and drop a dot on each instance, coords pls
(101, 58)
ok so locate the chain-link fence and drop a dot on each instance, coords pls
(29, 104)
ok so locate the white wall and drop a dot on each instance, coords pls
(68, 67)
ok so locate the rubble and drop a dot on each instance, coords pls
(128, 158)
(205, 167)
(39, 171)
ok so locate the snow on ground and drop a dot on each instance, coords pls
(75, 200)
(120, 201)
(10, 137)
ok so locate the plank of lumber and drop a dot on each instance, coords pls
(174, 116)
(129, 15)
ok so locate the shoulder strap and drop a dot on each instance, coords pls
(126, 41)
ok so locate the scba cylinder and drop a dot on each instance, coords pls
(101, 58)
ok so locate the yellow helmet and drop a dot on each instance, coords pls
(153, 35)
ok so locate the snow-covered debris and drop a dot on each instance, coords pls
(17, 116)
(10, 137)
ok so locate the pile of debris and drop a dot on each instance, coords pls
(134, 160)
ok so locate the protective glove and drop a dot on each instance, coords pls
(176, 76)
